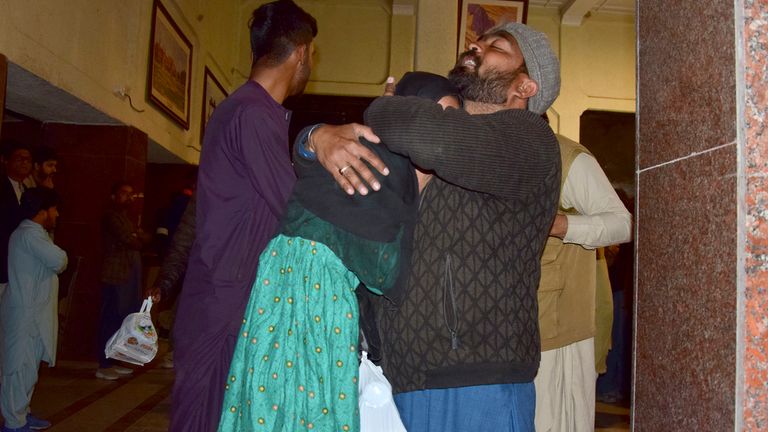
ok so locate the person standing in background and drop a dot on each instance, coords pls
(28, 314)
(590, 216)
(120, 274)
(17, 161)
(46, 163)
(172, 270)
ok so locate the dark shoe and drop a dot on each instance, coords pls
(122, 371)
(36, 423)
(24, 428)
(107, 374)
(609, 398)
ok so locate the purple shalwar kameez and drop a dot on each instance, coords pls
(244, 181)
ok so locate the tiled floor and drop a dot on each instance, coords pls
(611, 418)
(74, 401)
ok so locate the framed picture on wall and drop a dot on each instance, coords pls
(170, 66)
(479, 16)
(213, 94)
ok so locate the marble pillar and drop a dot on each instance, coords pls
(753, 385)
(702, 241)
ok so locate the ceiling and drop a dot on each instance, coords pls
(33, 97)
(608, 6)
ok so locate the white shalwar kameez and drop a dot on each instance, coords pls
(28, 316)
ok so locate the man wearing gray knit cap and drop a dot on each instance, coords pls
(538, 74)
(460, 344)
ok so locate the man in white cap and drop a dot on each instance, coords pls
(461, 341)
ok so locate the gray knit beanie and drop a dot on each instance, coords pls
(543, 66)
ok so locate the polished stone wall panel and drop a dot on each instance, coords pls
(686, 80)
(685, 342)
(686, 339)
(755, 166)
(91, 159)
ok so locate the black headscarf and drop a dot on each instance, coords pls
(426, 85)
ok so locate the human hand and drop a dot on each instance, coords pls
(559, 226)
(389, 86)
(155, 293)
(339, 150)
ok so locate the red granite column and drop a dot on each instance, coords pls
(687, 225)
(701, 342)
(754, 391)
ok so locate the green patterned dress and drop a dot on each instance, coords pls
(295, 365)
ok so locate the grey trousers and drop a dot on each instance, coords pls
(17, 388)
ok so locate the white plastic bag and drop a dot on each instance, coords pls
(378, 412)
(136, 340)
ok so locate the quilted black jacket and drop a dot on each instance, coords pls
(470, 313)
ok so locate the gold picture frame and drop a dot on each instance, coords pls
(478, 16)
(213, 94)
(170, 66)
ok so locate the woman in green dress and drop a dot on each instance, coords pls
(295, 366)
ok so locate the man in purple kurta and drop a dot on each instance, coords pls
(244, 181)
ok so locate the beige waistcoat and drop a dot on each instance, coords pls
(567, 289)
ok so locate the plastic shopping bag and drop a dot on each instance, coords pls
(378, 412)
(136, 340)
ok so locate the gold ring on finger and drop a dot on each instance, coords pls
(344, 169)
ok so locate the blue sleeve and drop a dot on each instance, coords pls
(300, 145)
(52, 256)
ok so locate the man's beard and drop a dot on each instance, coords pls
(491, 88)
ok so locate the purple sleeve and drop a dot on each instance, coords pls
(264, 161)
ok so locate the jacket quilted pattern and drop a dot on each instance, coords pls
(470, 313)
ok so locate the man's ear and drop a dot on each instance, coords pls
(301, 53)
(524, 88)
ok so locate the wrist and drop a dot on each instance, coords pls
(559, 227)
(306, 146)
(310, 142)
(563, 227)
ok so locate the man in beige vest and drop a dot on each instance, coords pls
(590, 216)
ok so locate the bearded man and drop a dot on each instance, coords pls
(244, 180)
(461, 346)
(28, 316)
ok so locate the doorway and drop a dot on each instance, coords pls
(610, 136)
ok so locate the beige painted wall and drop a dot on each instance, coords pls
(359, 44)
(597, 58)
(597, 62)
(89, 48)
